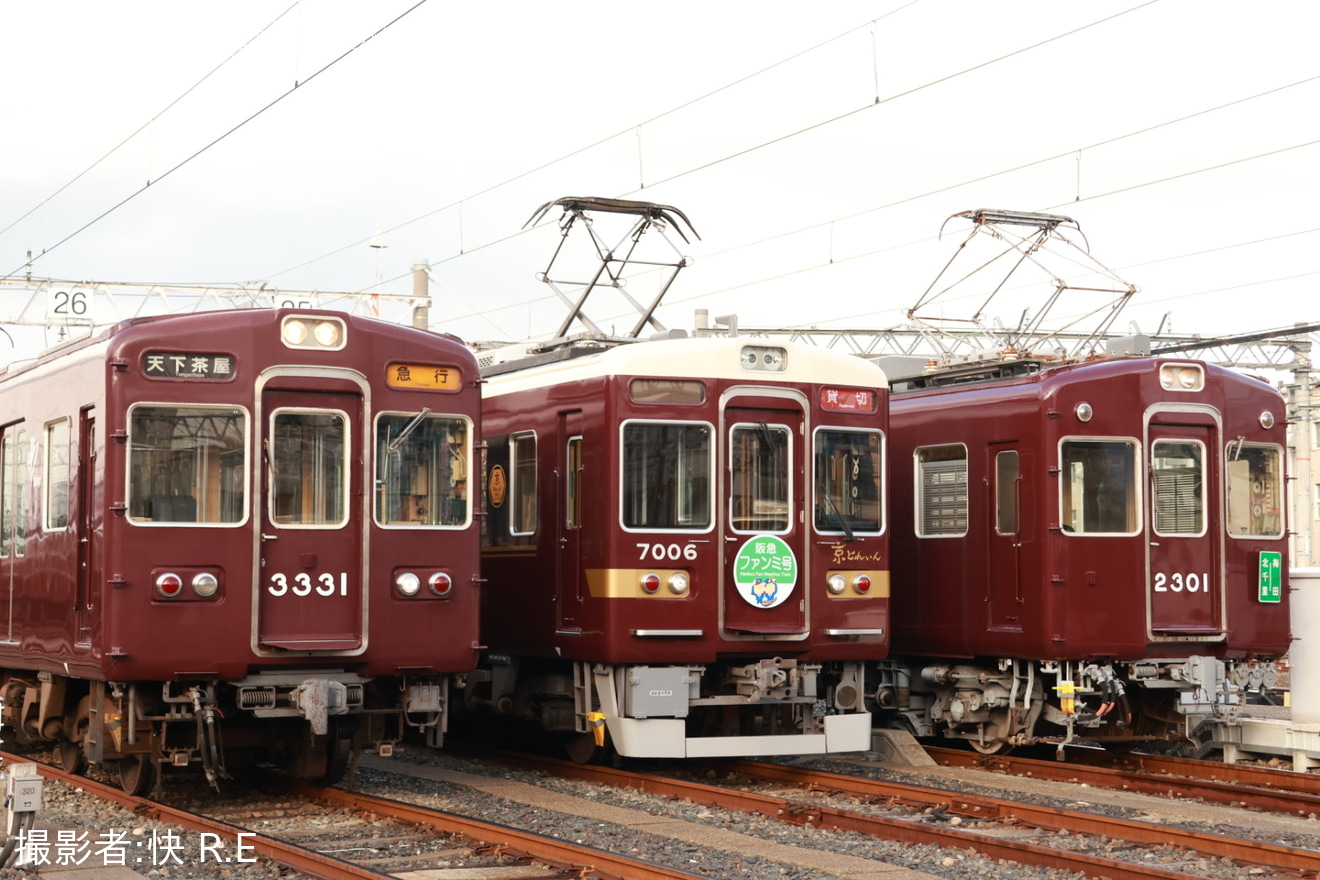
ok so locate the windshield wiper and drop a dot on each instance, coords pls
(408, 429)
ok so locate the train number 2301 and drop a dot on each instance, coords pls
(667, 552)
(1182, 583)
(303, 585)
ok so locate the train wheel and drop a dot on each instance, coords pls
(72, 759)
(991, 739)
(339, 751)
(581, 747)
(991, 747)
(136, 773)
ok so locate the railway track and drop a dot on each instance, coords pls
(995, 827)
(1255, 788)
(338, 835)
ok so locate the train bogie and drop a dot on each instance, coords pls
(685, 546)
(1097, 547)
(254, 520)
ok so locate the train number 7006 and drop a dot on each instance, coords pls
(667, 552)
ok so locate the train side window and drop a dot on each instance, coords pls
(848, 470)
(666, 482)
(522, 488)
(573, 514)
(1098, 487)
(422, 470)
(187, 464)
(56, 508)
(1177, 476)
(1255, 480)
(1007, 471)
(13, 492)
(942, 491)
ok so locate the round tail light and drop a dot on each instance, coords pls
(169, 585)
(862, 584)
(651, 583)
(440, 583)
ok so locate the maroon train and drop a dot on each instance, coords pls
(685, 546)
(1091, 551)
(244, 533)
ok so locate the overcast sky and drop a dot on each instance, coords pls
(817, 148)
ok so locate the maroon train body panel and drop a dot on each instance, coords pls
(224, 505)
(1103, 520)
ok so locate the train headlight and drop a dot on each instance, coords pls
(836, 584)
(407, 583)
(651, 583)
(678, 583)
(764, 358)
(1267, 420)
(1084, 412)
(205, 584)
(294, 333)
(312, 333)
(862, 584)
(1182, 377)
(327, 334)
(440, 583)
(169, 585)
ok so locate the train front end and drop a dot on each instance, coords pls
(687, 549)
(288, 544)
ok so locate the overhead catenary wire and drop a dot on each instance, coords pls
(144, 126)
(302, 83)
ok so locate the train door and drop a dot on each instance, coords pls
(1004, 593)
(568, 515)
(86, 525)
(13, 520)
(1186, 584)
(764, 591)
(312, 585)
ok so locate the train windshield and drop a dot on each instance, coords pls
(1255, 475)
(422, 470)
(848, 468)
(187, 464)
(1099, 487)
(666, 475)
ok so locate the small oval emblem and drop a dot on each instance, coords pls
(496, 486)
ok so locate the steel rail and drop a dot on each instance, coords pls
(579, 861)
(304, 861)
(487, 838)
(1275, 791)
(913, 832)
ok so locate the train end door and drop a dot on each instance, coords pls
(1186, 578)
(764, 530)
(311, 586)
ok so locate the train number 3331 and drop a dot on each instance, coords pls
(1182, 583)
(303, 585)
